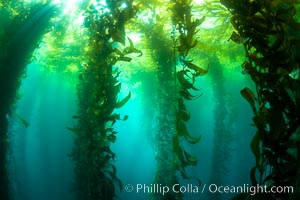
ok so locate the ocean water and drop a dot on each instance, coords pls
(42, 169)
(60, 96)
(40, 166)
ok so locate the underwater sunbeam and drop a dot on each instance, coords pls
(35, 23)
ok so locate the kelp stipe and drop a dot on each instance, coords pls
(186, 27)
(166, 101)
(270, 34)
(223, 132)
(19, 38)
(172, 159)
(98, 88)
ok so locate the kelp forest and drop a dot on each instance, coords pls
(159, 100)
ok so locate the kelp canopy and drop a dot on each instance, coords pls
(107, 46)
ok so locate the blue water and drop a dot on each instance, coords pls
(41, 166)
(39, 161)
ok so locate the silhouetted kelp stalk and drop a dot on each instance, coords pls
(223, 136)
(185, 26)
(172, 159)
(98, 89)
(19, 39)
(271, 37)
(165, 105)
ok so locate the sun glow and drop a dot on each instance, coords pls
(69, 6)
(198, 1)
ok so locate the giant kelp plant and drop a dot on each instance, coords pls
(98, 91)
(186, 26)
(269, 31)
(170, 50)
(166, 101)
(165, 120)
(165, 106)
(20, 35)
(223, 132)
(172, 159)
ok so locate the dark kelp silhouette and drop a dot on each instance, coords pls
(98, 88)
(171, 157)
(21, 36)
(270, 34)
(186, 26)
(166, 101)
(223, 132)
